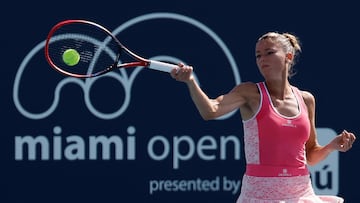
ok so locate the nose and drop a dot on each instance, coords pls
(260, 60)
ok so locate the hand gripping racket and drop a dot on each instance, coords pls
(84, 49)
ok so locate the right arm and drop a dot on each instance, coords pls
(207, 107)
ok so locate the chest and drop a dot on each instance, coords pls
(288, 107)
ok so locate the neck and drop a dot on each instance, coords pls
(278, 89)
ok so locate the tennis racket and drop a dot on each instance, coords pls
(85, 49)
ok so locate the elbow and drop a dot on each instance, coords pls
(312, 159)
(311, 163)
(207, 116)
(210, 113)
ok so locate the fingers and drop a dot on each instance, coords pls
(182, 73)
(347, 141)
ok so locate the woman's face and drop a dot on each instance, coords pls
(270, 59)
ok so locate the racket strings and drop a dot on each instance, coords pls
(98, 51)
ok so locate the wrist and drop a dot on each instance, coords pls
(191, 81)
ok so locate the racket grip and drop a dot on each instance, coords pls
(162, 66)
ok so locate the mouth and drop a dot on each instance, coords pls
(264, 66)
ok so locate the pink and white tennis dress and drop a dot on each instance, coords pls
(276, 170)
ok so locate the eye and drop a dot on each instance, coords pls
(270, 52)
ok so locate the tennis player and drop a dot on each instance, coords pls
(279, 125)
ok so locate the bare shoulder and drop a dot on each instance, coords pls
(246, 87)
(248, 97)
(308, 97)
(249, 92)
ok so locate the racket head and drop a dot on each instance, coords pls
(97, 49)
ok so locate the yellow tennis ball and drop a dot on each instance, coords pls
(71, 57)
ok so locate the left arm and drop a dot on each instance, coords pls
(314, 151)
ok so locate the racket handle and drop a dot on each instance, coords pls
(162, 66)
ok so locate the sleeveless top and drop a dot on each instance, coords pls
(274, 143)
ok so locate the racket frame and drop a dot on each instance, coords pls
(140, 61)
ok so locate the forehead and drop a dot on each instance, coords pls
(267, 43)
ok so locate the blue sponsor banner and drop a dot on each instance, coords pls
(134, 135)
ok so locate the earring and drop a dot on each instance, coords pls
(289, 56)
